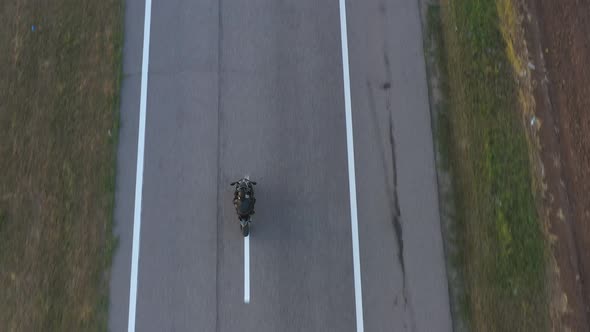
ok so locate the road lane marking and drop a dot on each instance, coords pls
(139, 171)
(358, 294)
(247, 264)
(247, 269)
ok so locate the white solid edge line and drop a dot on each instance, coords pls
(247, 269)
(358, 294)
(139, 171)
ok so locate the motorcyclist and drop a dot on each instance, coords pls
(244, 199)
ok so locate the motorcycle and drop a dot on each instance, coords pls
(244, 201)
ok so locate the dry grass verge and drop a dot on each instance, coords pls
(60, 66)
(484, 145)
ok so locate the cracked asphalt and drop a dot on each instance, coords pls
(256, 88)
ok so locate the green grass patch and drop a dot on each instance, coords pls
(61, 68)
(482, 140)
(435, 37)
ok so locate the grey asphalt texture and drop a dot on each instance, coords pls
(255, 88)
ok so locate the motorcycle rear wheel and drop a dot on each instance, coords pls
(245, 229)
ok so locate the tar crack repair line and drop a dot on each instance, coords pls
(397, 225)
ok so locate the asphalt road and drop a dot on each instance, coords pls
(256, 88)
